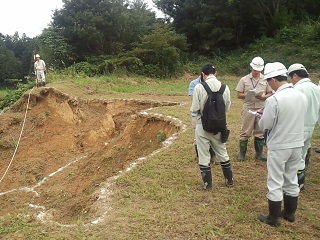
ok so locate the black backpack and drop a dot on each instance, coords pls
(214, 112)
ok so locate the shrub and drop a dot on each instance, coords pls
(85, 68)
(13, 95)
(162, 52)
(119, 64)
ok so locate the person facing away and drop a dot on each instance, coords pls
(192, 85)
(299, 77)
(283, 119)
(249, 123)
(205, 139)
(39, 70)
(317, 150)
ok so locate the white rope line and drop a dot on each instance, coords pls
(17, 146)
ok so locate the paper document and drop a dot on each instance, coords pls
(251, 95)
(258, 115)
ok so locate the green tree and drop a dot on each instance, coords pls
(211, 26)
(162, 52)
(138, 22)
(22, 48)
(274, 15)
(98, 27)
(307, 9)
(10, 66)
(54, 49)
(206, 24)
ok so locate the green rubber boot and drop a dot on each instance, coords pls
(243, 150)
(258, 146)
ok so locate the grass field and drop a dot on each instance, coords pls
(3, 93)
(161, 198)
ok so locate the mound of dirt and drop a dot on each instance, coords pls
(69, 148)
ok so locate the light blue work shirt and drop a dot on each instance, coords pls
(192, 85)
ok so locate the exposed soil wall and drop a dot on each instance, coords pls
(70, 147)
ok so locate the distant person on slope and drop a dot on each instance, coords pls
(39, 70)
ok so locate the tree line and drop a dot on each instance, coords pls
(107, 36)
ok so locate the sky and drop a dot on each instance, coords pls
(29, 16)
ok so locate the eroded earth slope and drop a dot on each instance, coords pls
(69, 148)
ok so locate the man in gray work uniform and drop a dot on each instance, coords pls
(283, 119)
(192, 85)
(300, 79)
(206, 139)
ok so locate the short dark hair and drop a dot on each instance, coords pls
(208, 69)
(281, 78)
(300, 73)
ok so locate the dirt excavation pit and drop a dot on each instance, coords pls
(70, 148)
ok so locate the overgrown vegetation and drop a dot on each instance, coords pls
(10, 96)
(161, 136)
(293, 44)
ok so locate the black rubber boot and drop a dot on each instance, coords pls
(265, 136)
(301, 179)
(274, 213)
(307, 159)
(196, 150)
(290, 207)
(206, 177)
(212, 155)
(243, 150)
(258, 146)
(227, 173)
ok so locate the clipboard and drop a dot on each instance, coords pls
(250, 97)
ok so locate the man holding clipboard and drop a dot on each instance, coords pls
(253, 89)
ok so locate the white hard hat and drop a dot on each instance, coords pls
(274, 69)
(257, 64)
(295, 67)
(37, 55)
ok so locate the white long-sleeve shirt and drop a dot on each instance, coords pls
(283, 117)
(312, 93)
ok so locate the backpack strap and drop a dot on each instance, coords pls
(222, 88)
(208, 89)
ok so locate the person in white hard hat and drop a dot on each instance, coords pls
(283, 119)
(39, 70)
(300, 79)
(253, 81)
